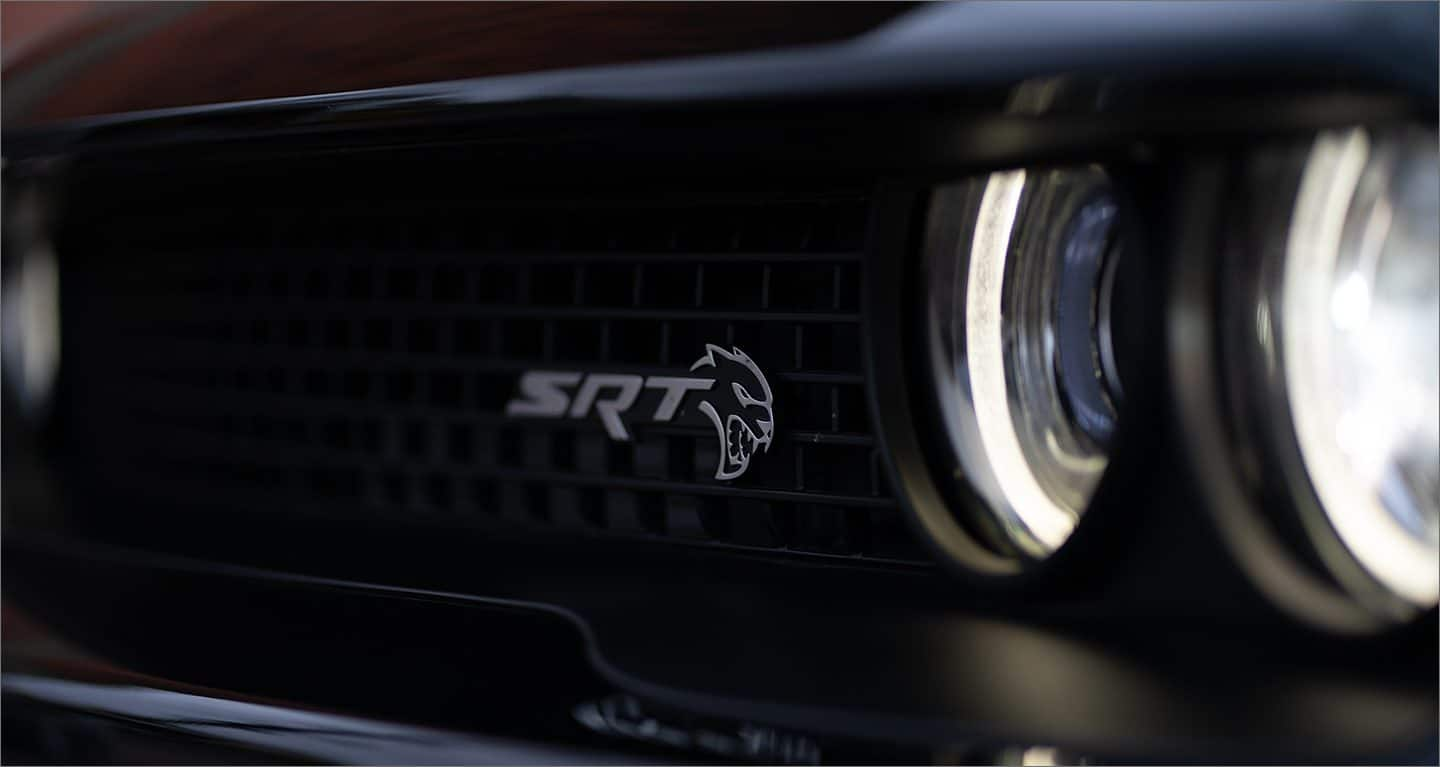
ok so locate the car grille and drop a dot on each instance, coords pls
(354, 363)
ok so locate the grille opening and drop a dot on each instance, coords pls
(356, 363)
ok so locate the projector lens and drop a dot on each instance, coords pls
(1359, 338)
(1024, 302)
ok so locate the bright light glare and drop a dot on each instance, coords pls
(985, 328)
(1361, 347)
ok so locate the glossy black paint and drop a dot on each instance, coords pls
(905, 673)
(108, 723)
(156, 55)
(1144, 642)
(962, 56)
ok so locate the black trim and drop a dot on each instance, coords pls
(953, 678)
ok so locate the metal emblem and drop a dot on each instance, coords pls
(732, 393)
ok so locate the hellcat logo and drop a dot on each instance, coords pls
(733, 395)
(743, 415)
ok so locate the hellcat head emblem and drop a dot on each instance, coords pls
(740, 406)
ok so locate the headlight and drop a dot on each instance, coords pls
(1357, 324)
(29, 298)
(1026, 277)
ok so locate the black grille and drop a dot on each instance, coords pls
(356, 363)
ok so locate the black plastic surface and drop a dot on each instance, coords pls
(906, 672)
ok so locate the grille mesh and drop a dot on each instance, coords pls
(357, 362)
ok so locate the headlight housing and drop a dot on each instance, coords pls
(1303, 354)
(1353, 308)
(1027, 275)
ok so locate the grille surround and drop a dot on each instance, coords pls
(354, 362)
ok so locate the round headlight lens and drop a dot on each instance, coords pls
(1359, 333)
(1022, 310)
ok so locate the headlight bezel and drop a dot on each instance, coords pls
(1296, 243)
(1230, 390)
(956, 519)
(1017, 324)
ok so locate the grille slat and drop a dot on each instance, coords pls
(171, 348)
(178, 398)
(353, 367)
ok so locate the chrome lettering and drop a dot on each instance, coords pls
(541, 395)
